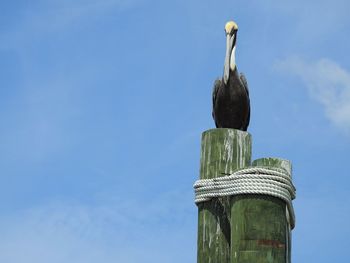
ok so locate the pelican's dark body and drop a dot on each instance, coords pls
(231, 104)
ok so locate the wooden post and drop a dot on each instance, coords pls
(222, 152)
(260, 230)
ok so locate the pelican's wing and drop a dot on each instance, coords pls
(245, 84)
(217, 84)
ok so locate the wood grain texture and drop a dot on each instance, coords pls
(260, 231)
(222, 152)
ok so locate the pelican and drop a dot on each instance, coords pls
(231, 104)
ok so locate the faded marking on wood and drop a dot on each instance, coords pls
(260, 231)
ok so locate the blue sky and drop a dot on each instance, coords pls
(103, 104)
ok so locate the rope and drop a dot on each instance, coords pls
(254, 180)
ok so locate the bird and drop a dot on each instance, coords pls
(231, 103)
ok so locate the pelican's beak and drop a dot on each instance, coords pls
(230, 42)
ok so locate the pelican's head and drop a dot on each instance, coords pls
(231, 29)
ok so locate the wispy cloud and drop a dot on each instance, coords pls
(126, 230)
(327, 83)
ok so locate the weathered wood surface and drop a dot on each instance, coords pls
(260, 231)
(222, 152)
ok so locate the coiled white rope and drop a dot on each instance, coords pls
(254, 180)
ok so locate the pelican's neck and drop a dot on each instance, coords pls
(233, 59)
